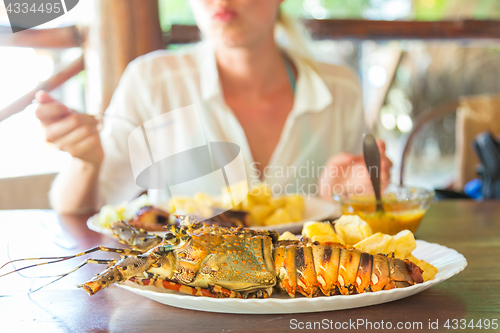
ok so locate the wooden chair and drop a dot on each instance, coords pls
(475, 114)
(31, 192)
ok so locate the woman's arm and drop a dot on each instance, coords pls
(74, 190)
(100, 171)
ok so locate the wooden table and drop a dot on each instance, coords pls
(471, 228)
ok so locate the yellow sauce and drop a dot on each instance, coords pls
(396, 216)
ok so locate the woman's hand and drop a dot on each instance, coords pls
(73, 132)
(347, 173)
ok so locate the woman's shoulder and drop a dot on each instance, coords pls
(339, 75)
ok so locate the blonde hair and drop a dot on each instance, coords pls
(293, 37)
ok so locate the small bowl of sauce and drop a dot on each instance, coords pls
(404, 208)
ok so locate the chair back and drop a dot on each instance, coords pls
(476, 114)
(29, 192)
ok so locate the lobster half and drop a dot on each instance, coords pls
(221, 262)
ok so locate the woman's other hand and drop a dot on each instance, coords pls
(346, 173)
(70, 131)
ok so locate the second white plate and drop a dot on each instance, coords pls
(315, 210)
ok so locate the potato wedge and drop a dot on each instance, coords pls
(352, 229)
(260, 213)
(429, 270)
(109, 215)
(405, 244)
(321, 232)
(260, 193)
(313, 228)
(327, 239)
(203, 199)
(287, 235)
(190, 206)
(280, 216)
(278, 202)
(238, 190)
(294, 212)
(296, 201)
(412, 258)
(377, 243)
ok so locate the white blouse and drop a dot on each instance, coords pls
(326, 119)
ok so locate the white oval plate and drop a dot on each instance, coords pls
(448, 262)
(315, 210)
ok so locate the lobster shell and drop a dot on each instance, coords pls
(331, 269)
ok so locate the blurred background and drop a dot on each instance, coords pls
(406, 74)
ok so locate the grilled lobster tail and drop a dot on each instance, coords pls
(331, 269)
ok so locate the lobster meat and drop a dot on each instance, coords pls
(221, 262)
(330, 269)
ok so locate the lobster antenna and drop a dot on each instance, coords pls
(31, 266)
(60, 276)
(59, 259)
(41, 258)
